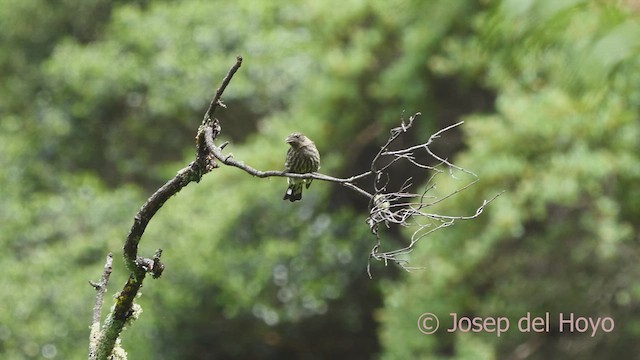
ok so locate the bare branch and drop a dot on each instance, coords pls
(217, 98)
(404, 208)
(423, 231)
(431, 138)
(101, 289)
(229, 160)
(408, 152)
(123, 310)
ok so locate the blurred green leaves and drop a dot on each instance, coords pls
(51, 245)
(563, 143)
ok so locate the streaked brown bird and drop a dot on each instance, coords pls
(302, 158)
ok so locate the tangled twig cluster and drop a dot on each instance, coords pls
(403, 207)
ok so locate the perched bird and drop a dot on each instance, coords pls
(302, 158)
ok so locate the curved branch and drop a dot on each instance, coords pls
(216, 99)
(104, 341)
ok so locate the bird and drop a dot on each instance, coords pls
(302, 157)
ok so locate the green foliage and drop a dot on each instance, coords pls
(52, 245)
(139, 91)
(563, 143)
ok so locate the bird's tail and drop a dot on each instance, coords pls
(294, 192)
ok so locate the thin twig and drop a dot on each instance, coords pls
(420, 146)
(216, 99)
(404, 208)
(101, 289)
(229, 160)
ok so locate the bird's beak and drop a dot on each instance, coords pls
(288, 140)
